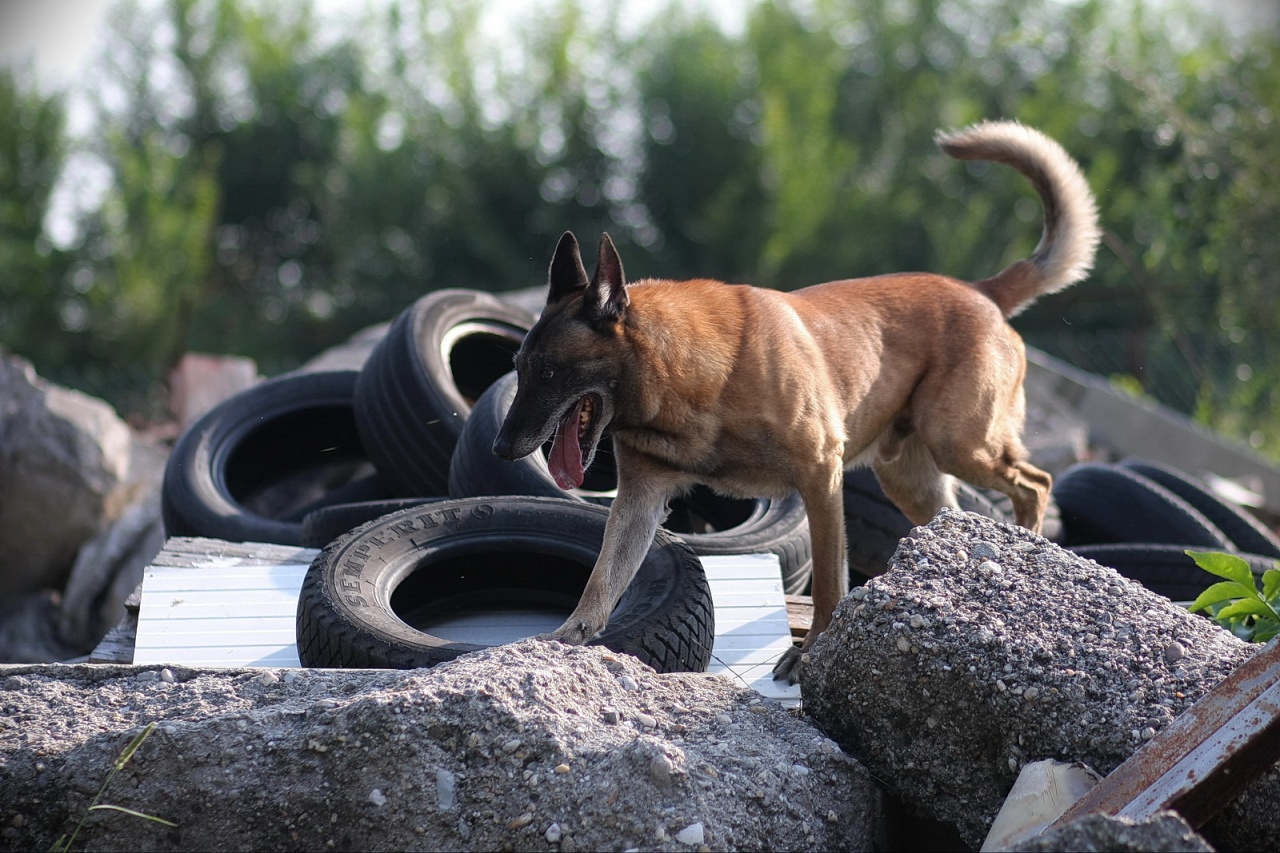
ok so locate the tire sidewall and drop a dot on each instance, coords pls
(198, 500)
(356, 575)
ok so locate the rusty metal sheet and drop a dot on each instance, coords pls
(1206, 756)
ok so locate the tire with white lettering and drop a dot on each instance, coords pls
(710, 524)
(1107, 504)
(420, 381)
(1243, 530)
(371, 597)
(249, 467)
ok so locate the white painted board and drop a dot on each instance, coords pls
(240, 611)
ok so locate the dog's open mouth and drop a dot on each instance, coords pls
(567, 460)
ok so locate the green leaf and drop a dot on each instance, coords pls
(1218, 593)
(1246, 607)
(1227, 566)
(1270, 584)
(1265, 630)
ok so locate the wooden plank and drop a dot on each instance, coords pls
(1202, 760)
(800, 615)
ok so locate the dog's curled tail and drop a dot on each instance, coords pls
(1067, 247)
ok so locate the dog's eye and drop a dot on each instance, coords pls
(547, 373)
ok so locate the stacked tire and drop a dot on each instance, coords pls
(358, 463)
(1141, 517)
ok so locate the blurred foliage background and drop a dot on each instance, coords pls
(263, 180)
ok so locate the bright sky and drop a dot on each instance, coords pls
(60, 35)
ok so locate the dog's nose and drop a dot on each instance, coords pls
(502, 446)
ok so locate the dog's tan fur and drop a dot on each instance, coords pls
(757, 392)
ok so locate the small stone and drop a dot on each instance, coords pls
(628, 683)
(378, 798)
(646, 720)
(985, 551)
(1030, 693)
(1174, 652)
(859, 593)
(1148, 733)
(661, 771)
(987, 567)
(520, 822)
(553, 833)
(692, 834)
(511, 746)
(609, 715)
(904, 645)
(266, 679)
(562, 768)
(724, 719)
(444, 789)
(166, 675)
(918, 621)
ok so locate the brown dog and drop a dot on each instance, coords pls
(759, 393)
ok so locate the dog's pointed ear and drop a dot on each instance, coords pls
(567, 275)
(607, 297)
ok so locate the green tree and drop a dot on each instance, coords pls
(32, 153)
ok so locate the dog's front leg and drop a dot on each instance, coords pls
(824, 504)
(633, 519)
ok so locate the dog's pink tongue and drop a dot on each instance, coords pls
(565, 459)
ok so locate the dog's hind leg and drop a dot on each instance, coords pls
(1004, 467)
(911, 479)
(824, 504)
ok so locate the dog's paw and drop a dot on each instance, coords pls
(788, 667)
(575, 632)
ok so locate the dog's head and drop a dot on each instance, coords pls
(568, 365)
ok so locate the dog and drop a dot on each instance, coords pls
(758, 393)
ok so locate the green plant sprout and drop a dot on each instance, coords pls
(1235, 602)
(64, 843)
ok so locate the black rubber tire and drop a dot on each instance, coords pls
(1240, 527)
(710, 524)
(715, 525)
(514, 551)
(420, 381)
(874, 525)
(1164, 569)
(293, 433)
(1105, 504)
(325, 524)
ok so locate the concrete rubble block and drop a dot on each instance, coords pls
(106, 571)
(985, 647)
(531, 746)
(198, 382)
(65, 473)
(1097, 833)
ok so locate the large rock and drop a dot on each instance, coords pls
(1096, 833)
(985, 647)
(533, 746)
(68, 467)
